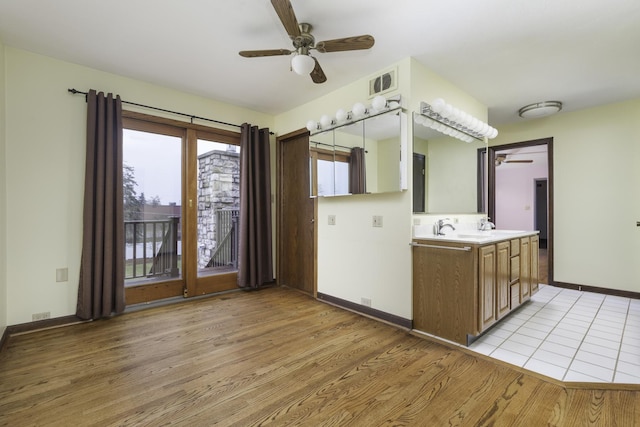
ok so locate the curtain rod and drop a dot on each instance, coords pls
(191, 116)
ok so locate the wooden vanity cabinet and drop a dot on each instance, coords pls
(503, 279)
(487, 285)
(445, 289)
(461, 289)
(535, 254)
(514, 273)
(525, 269)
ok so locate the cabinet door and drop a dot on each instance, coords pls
(445, 295)
(487, 285)
(534, 263)
(525, 269)
(503, 261)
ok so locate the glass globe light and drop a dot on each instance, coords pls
(359, 109)
(302, 64)
(379, 103)
(325, 121)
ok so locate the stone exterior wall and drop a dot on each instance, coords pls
(218, 188)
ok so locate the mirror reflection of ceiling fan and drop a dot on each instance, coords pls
(303, 42)
(502, 158)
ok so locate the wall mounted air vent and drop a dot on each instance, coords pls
(386, 82)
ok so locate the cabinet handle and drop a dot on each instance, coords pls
(453, 248)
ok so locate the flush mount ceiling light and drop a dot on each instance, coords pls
(540, 109)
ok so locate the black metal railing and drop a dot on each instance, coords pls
(226, 252)
(152, 248)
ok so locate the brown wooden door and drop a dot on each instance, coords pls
(296, 214)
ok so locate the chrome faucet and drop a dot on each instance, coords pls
(439, 225)
(485, 224)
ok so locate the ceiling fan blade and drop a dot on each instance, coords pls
(287, 17)
(317, 75)
(267, 52)
(348, 43)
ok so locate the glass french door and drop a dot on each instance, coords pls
(181, 205)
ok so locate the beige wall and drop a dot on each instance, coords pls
(596, 173)
(356, 260)
(596, 153)
(45, 148)
(3, 198)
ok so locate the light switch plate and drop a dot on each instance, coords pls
(377, 220)
(332, 220)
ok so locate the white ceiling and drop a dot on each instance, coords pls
(506, 53)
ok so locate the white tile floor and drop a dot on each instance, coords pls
(570, 336)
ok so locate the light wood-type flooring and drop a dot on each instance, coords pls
(277, 357)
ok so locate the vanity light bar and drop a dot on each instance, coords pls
(440, 113)
(359, 111)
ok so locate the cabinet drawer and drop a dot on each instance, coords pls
(515, 269)
(515, 247)
(515, 295)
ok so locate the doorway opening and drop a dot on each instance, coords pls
(520, 193)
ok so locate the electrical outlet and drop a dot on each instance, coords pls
(365, 301)
(332, 220)
(62, 274)
(40, 316)
(377, 220)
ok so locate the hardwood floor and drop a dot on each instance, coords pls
(543, 266)
(276, 357)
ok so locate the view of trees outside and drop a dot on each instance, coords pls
(152, 192)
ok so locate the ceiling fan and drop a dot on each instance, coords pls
(502, 158)
(303, 42)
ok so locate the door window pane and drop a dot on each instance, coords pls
(152, 206)
(218, 207)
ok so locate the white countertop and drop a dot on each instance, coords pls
(470, 236)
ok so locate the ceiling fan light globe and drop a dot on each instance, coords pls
(302, 64)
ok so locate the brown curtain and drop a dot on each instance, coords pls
(101, 290)
(357, 171)
(255, 265)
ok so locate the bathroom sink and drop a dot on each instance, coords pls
(472, 236)
(490, 233)
(507, 231)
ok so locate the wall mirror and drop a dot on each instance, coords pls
(362, 157)
(448, 174)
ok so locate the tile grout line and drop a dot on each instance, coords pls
(600, 308)
(585, 336)
(624, 331)
(516, 330)
(554, 328)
